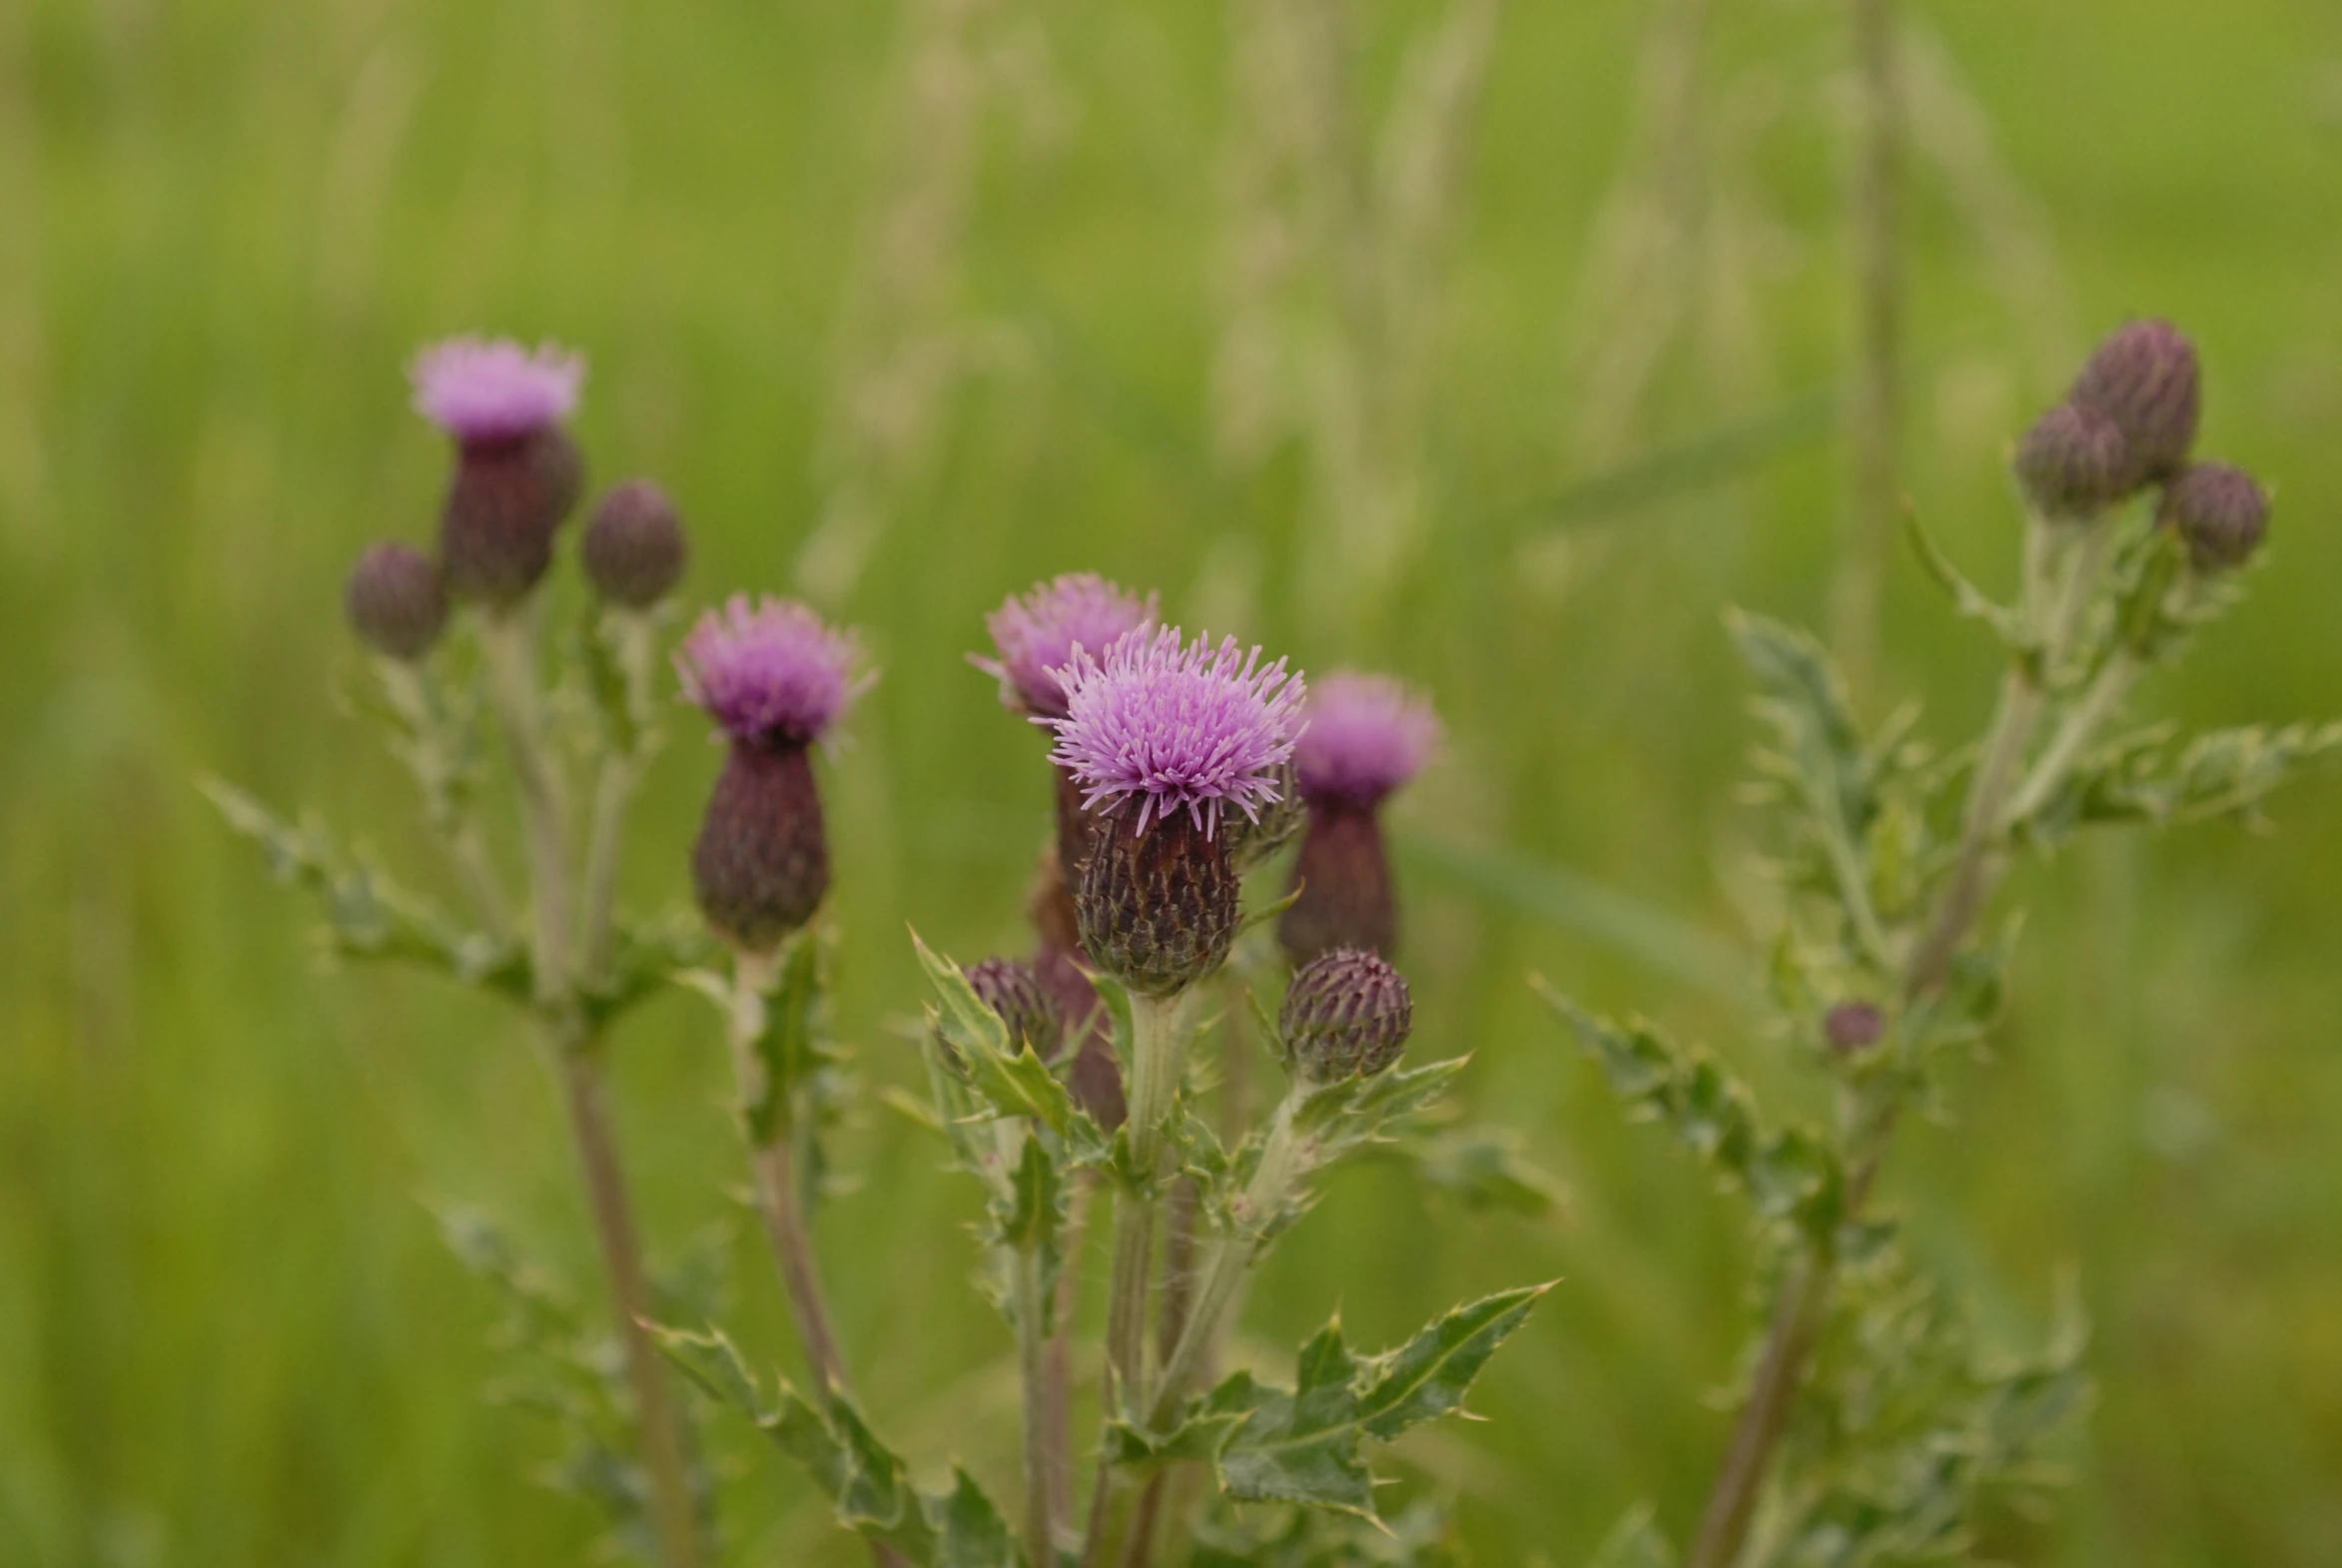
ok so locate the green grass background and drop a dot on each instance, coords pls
(229, 1331)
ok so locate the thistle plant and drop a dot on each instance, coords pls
(1872, 1424)
(1074, 1083)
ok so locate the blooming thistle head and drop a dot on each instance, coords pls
(1346, 1014)
(1164, 737)
(770, 671)
(1035, 633)
(2144, 379)
(634, 546)
(1177, 726)
(2073, 463)
(775, 678)
(1368, 735)
(518, 472)
(2219, 511)
(395, 601)
(492, 389)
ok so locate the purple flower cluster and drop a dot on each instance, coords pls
(1368, 735)
(492, 390)
(1178, 725)
(1037, 633)
(769, 671)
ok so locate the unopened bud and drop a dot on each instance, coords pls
(634, 546)
(2073, 463)
(2144, 379)
(1346, 1014)
(396, 601)
(1853, 1026)
(2220, 511)
(1014, 991)
(762, 863)
(1158, 909)
(507, 497)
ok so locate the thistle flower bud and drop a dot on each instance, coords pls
(1366, 736)
(1095, 1077)
(775, 679)
(1159, 907)
(1346, 1014)
(1164, 736)
(395, 601)
(761, 864)
(2144, 379)
(2073, 463)
(1853, 1026)
(1014, 991)
(518, 472)
(2220, 511)
(634, 546)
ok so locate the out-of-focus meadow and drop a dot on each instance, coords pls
(1003, 287)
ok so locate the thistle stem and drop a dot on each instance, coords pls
(1031, 1304)
(434, 768)
(772, 1158)
(1230, 1258)
(605, 1186)
(2081, 722)
(506, 645)
(1158, 1053)
(621, 772)
(1805, 1298)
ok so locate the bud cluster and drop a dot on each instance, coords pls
(518, 476)
(2128, 423)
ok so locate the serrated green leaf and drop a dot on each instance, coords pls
(1482, 1168)
(869, 1489)
(1427, 1377)
(1789, 1174)
(1018, 1084)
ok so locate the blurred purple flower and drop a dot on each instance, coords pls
(1368, 735)
(1037, 632)
(770, 671)
(492, 389)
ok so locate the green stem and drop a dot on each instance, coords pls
(2081, 722)
(621, 772)
(433, 763)
(508, 645)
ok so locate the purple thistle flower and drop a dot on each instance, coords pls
(1368, 735)
(492, 389)
(1177, 724)
(769, 671)
(1038, 631)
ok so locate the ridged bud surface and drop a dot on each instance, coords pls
(2144, 379)
(396, 601)
(1096, 1075)
(1014, 990)
(1853, 1026)
(634, 545)
(2073, 463)
(1344, 874)
(506, 502)
(2221, 511)
(1158, 909)
(762, 863)
(1346, 1014)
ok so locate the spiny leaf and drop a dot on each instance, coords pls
(868, 1486)
(369, 916)
(1302, 1445)
(1009, 1084)
(1789, 1174)
(1482, 1168)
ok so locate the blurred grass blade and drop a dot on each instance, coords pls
(1561, 897)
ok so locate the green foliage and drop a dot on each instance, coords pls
(867, 1485)
(569, 1375)
(1271, 1536)
(2153, 778)
(1790, 1175)
(1481, 1169)
(1303, 1444)
(368, 915)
